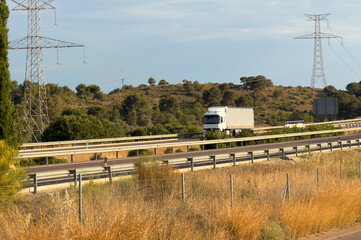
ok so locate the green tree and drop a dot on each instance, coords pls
(11, 176)
(169, 104)
(229, 97)
(212, 97)
(80, 127)
(151, 81)
(260, 82)
(163, 82)
(136, 110)
(8, 125)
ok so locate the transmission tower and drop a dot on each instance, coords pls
(35, 118)
(318, 72)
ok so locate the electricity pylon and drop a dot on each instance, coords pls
(318, 72)
(35, 118)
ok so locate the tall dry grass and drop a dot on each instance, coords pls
(150, 206)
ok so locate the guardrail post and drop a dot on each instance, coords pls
(108, 168)
(73, 171)
(183, 189)
(267, 153)
(214, 161)
(117, 154)
(308, 148)
(35, 182)
(187, 148)
(216, 145)
(155, 151)
(80, 199)
(319, 147)
(72, 158)
(137, 152)
(86, 144)
(330, 145)
(46, 160)
(233, 156)
(192, 163)
(349, 144)
(96, 156)
(340, 144)
(282, 153)
(202, 147)
(296, 150)
(172, 149)
(252, 156)
(358, 142)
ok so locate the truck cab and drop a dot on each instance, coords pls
(215, 118)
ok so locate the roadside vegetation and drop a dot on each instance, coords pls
(149, 205)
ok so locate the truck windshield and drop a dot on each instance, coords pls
(211, 119)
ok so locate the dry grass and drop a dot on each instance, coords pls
(150, 206)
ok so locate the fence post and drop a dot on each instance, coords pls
(72, 158)
(340, 171)
(233, 156)
(296, 149)
(117, 154)
(340, 144)
(172, 149)
(96, 156)
(308, 148)
(288, 187)
(268, 156)
(46, 160)
(318, 179)
(330, 144)
(252, 156)
(214, 161)
(358, 142)
(80, 199)
(183, 189)
(190, 159)
(349, 144)
(231, 186)
(188, 148)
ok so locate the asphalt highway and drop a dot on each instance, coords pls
(252, 148)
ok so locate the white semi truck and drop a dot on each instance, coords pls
(230, 120)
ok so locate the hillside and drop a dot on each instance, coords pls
(168, 108)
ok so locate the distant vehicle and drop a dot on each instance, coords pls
(298, 124)
(230, 120)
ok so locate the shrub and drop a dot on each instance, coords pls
(11, 176)
(42, 161)
(141, 152)
(155, 178)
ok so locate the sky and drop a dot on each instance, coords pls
(216, 41)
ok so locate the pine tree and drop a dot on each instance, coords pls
(8, 123)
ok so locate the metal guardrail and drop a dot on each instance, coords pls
(234, 158)
(164, 136)
(49, 153)
(103, 140)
